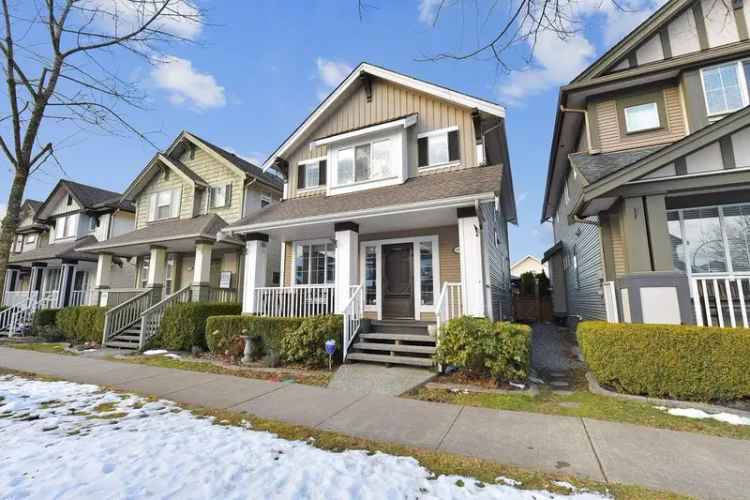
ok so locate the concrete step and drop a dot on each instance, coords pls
(400, 326)
(375, 346)
(393, 360)
(122, 345)
(407, 337)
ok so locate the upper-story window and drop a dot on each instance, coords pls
(265, 200)
(642, 117)
(69, 200)
(438, 147)
(364, 162)
(18, 244)
(93, 224)
(725, 88)
(220, 196)
(311, 174)
(164, 205)
(65, 227)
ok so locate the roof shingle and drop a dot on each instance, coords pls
(598, 166)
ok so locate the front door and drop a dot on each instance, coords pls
(398, 281)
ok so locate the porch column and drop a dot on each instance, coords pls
(202, 270)
(9, 279)
(472, 275)
(347, 250)
(103, 278)
(66, 283)
(256, 257)
(156, 271)
(35, 280)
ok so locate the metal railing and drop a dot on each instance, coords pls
(18, 319)
(83, 298)
(222, 295)
(6, 318)
(151, 317)
(297, 301)
(353, 313)
(449, 305)
(721, 300)
(122, 316)
(116, 296)
(10, 299)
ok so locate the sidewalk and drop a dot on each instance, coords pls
(694, 464)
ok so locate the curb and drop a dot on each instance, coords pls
(595, 388)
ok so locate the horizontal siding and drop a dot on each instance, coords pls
(498, 260)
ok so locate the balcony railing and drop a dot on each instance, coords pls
(721, 299)
(296, 302)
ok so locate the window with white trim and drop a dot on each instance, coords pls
(311, 174)
(364, 162)
(65, 226)
(426, 279)
(371, 286)
(438, 147)
(314, 262)
(164, 205)
(144, 272)
(641, 117)
(265, 200)
(220, 196)
(725, 87)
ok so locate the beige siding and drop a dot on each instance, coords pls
(618, 245)
(389, 101)
(288, 265)
(60, 204)
(611, 138)
(158, 183)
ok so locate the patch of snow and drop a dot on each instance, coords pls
(155, 352)
(507, 480)
(58, 438)
(517, 385)
(173, 356)
(727, 418)
(90, 350)
(564, 484)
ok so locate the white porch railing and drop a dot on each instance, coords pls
(449, 305)
(721, 299)
(122, 316)
(17, 319)
(83, 298)
(151, 317)
(295, 301)
(10, 299)
(353, 313)
(223, 295)
(116, 296)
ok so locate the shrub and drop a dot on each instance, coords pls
(223, 334)
(306, 344)
(81, 324)
(528, 283)
(501, 350)
(44, 325)
(184, 325)
(674, 361)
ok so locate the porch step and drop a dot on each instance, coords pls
(377, 346)
(395, 360)
(407, 337)
(129, 339)
(405, 326)
(122, 345)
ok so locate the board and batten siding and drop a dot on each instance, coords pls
(389, 101)
(609, 136)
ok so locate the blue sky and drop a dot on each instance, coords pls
(258, 68)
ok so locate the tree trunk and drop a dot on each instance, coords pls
(11, 220)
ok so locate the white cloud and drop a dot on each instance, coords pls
(428, 9)
(187, 85)
(180, 18)
(522, 196)
(330, 74)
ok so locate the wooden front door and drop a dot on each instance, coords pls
(398, 281)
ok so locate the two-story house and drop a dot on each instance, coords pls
(397, 196)
(183, 197)
(648, 187)
(47, 267)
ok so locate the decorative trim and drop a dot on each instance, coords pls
(346, 226)
(463, 212)
(204, 241)
(400, 123)
(700, 24)
(157, 247)
(38, 264)
(666, 47)
(727, 152)
(680, 166)
(739, 19)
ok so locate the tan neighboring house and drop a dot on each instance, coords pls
(397, 196)
(47, 268)
(528, 264)
(648, 186)
(183, 198)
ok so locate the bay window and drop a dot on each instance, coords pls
(437, 147)
(364, 162)
(725, 87)
(710, 239)
(314, 262)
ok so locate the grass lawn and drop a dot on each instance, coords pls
(307, 377)
(49, 347)
(582, 403)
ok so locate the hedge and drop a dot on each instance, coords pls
(280, 340)
(184, 325)
(501, 350)
(674, 361)
(81, 324)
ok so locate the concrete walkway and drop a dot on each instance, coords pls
(366, 378)
(694, 464)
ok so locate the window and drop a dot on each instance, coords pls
(311, 174)
(164, 205)
(30, 239)
(65, 226)
(371, 294)
(426, 272)
(93, 223)
(365, 162)
(69, 200)
(642, 117)
(144, 272)
(219, 196)
(265, 200)
(18, 247)
(169, 276)
(438, 147)
(314, 263)
(710, 239)
(725, 88)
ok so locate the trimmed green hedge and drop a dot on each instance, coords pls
(44, 325)
(280, 340)
(501, 350)
(81, 324)
(674, 361)
(184, 325)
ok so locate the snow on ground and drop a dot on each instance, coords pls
(727, 418)
(66, 440)
(155, 352)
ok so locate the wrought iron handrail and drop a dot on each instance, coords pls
(151, 317)
(124, 315)
(353, 312)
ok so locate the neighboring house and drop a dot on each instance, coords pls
(47, 267)
(183, 198)
(397, 196)
(648, 184)
(528, 264)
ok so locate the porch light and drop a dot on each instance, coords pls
(331, 350)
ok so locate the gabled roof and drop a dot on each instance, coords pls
(33, 204)
(88, 197)
(158, 160)
(595, 167)
(364, 68)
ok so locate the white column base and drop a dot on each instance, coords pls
(256, 257)
(347, 252)
(472, 275)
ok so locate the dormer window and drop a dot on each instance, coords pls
(65, 227)
(93, 223)
(164, 205)
(438, 147)
(69, 200)
(219, 196)
(365, 162)
(312, 173)
(642, 117)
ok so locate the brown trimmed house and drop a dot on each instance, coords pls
(47, 268)
(397, 196)
(182, 198)
(648, 186)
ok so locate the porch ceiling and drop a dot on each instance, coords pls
(185, 245)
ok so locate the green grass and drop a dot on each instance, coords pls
(582, 403)
(48, 347)
(318, 378)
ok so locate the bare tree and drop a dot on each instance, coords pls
(58, 59)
